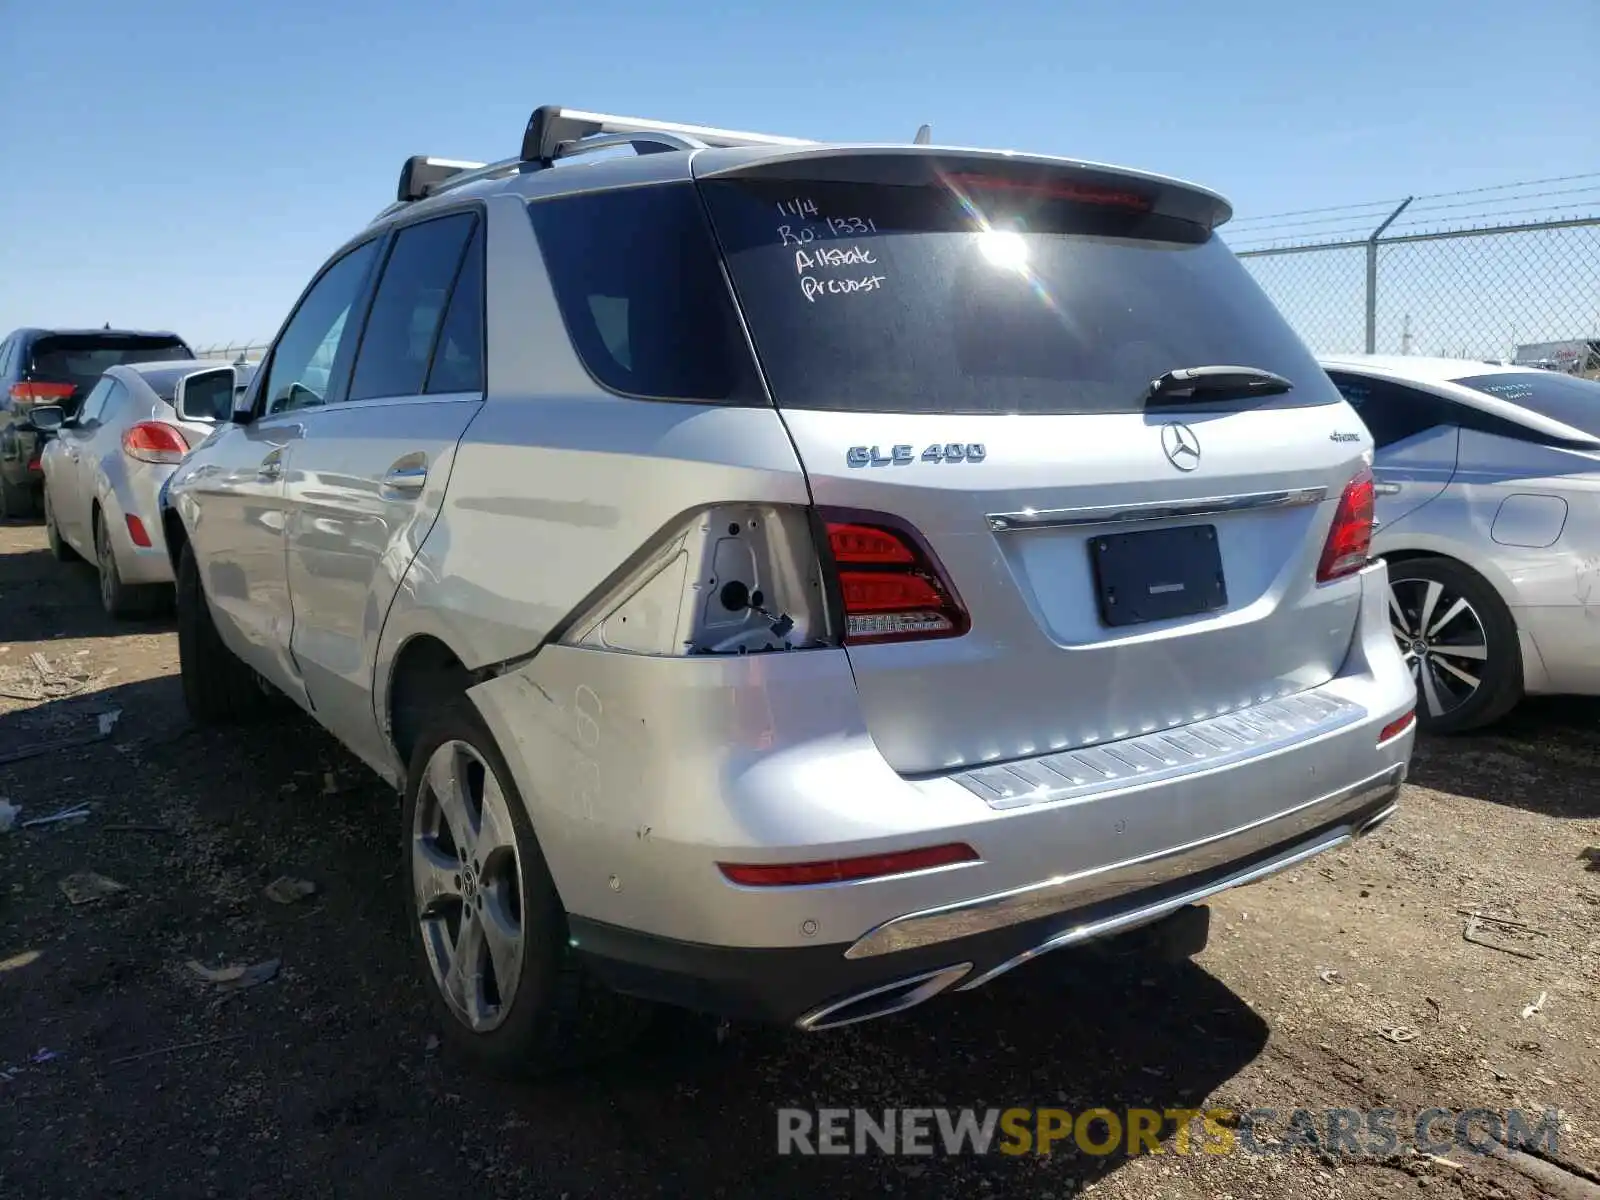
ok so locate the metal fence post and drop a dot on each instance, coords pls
(1372, 275)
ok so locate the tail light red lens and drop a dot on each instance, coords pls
(1350, 540)
(40, 393)
(843, 870)
(892, 589)
(154, 442)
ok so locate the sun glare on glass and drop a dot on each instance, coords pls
(1004, 248)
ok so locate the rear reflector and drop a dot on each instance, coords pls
(41, 393)
(1397, 726)
(892, 589)
(843, 870)
(136, 531)
(154, 442)
(1350, 540)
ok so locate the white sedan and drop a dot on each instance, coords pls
(1488, 512)
(105, 464)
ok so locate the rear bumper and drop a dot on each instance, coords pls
(822, 987)
(137, 495)
(642, 774)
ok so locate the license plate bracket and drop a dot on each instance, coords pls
(1157, 574)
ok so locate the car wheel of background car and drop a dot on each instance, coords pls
(1459, 641)
(486, 918)
(119, 599)
(59, 550)
(218, 689)
(16, 500)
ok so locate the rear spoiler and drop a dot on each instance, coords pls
(924, 165)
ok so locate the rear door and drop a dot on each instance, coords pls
(367, 477)
(1416, 437)
(961, 348)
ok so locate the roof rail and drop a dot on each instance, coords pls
(554, 132)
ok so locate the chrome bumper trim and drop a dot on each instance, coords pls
(1120, 514)
(1064, 893)
(898, 996)
(1203, 745)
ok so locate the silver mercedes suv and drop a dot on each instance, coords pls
(793, 580)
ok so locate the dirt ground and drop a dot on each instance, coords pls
(124, 1073)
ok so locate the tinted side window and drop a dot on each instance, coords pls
(304, 361)
(105, 396)
(458, 358)
(408, 308)
(637, 277)
(1391, 411)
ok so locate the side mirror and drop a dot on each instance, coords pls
(205, 395)
(47, 418)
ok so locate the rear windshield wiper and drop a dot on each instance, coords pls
(1215, 383)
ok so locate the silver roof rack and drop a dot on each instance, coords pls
(554, 132)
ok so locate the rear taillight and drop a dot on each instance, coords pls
(1350, 540)
(890, 587)
(28, 392)
(154, 442)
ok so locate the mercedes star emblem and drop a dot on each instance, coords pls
(1181, 445)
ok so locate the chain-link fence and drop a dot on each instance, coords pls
(1446, 275)
(237, 352)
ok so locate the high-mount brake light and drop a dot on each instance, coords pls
(1349, 543)
(154, 442)
(1053, 189)
(891, 588)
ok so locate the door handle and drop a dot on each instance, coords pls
(408, 479)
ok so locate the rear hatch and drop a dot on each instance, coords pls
(79, 359)
(961, 346)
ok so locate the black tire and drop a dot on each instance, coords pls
(59, 550)
(559, 1016)
(120, 600)
(218, 689)
(18, 501)
(1443, 657)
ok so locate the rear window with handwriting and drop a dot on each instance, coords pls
(985, 293)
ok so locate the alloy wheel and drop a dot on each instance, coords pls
(1443, 640)
(107, 563)
(467, 876)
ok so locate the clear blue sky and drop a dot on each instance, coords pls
(187, 165)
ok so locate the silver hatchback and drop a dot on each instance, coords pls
(795, 580)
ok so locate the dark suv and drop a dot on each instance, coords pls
(57, 366)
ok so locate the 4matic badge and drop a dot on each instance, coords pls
(950, 452)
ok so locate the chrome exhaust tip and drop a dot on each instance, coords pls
(1373, 823)
(883, 1000)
